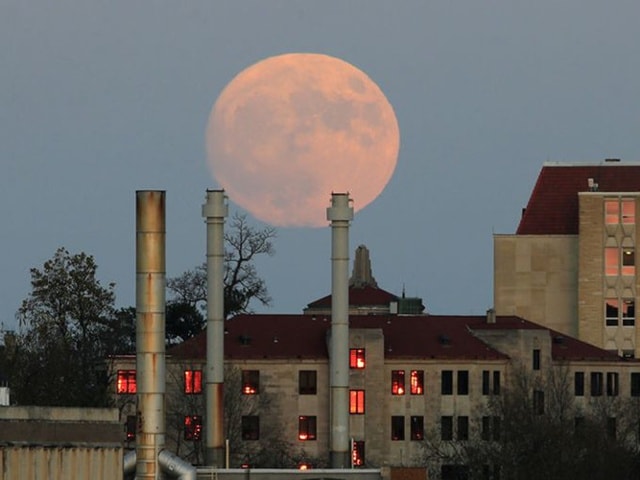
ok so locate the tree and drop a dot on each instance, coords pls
(66, 332)
(242, 284)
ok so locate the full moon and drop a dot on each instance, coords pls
(289, 130)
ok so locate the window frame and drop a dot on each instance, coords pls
(357, 404)
(634, 384)
(250, 382)
(613, 384)
(250, 427)
(307, 428)
(357, 358)
(397, 382)
(462, 382)
(578, 384)
(126, 382)
(596, 384)
(307, 382)
(416, 423)
(536, 361)
(397, 428)
(358, 453)
(446, 382)
(416, 382)
(192, 428)
(446, 428)
(462, 428)
(192, 382)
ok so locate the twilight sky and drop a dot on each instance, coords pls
(99, 99)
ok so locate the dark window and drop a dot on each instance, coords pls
(357, 456)
(417, 382)
(490, 428)
(611, 428)
(397, 382)
(578, 384)
(596, 384)
(463, 382)
(485, 382)
(463, 428)
(306, 427)
(628, 313)
(417, 428)
(578, 425)
(454, 472)
(447, 382)
(250, 427)
(307, 382)
(126, 382)
(495, 428)
(356, 358)
(192, 382)
(250, 382)
(446, 428)
(536, 359)
(635, 384)
(132, 427)
(538, 402)
(397, 428)
(193, 428)
(356, 401)
(612, 384)
(496, 382)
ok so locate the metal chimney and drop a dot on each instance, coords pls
(340, 214)
(215, 210)
(150, 335)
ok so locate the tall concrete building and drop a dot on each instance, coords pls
(571, 263)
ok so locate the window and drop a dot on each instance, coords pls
(357, 455)
(416, 381)
(611, 428)
(126, 381)
(578, 384)
(356, 401)
(132, 427)
(193, 428)
(454, 472)
(536, 359)
(417, 428)
(307, 382)
(463, 382)
(628, 313)
(578, 425)
(596, 384)
(446, 382)
(628, 261)
(463, 428)
(485, 382)
(628, 211)
(356, 358)
(192, 382)
(538, 402)
(446, 428)
(611, 212)
(611, 261)
(250, 382)
(250, 427)
(618, 211)
(635, 384)
(612, 384)
(397, 382)
(306, 427)
(611, 312)
(397, 428)
(496, 382)
(490, 428)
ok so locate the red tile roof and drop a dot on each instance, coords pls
(553, 206)
(360, 296)
(406, 337)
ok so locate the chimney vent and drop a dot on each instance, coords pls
(491, 316)
(611, 160)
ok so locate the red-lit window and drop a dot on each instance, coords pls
(397, 382)
(131, 427)
(306, 428)
(193, 428)
(611, 261)
(417, 382)
(357, 455)
(126, 381)
(628, 211)
(611, 212)
(620, 211)
(250, 382)
(192, 382)
(250, 427)
(356, 358)
(356, 401)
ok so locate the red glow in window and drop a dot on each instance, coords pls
(192, 381)
(417, 382)
(357, 455)
(126, 381)
(397, 382)
(193, 427)
(356, 401)
(356, 358)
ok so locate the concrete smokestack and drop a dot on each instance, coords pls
(340, 214)
(150, 335)
(214, 211)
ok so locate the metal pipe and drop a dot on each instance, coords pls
(150, 331)
(340, 214)
(129, 463)
(215, 210)
(176, 467)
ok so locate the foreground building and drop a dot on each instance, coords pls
(412, 377)
(571, 263)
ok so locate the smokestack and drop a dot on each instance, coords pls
(150, 324)
(215, 211)
(340, 214)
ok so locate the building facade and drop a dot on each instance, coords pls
(571, 263)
